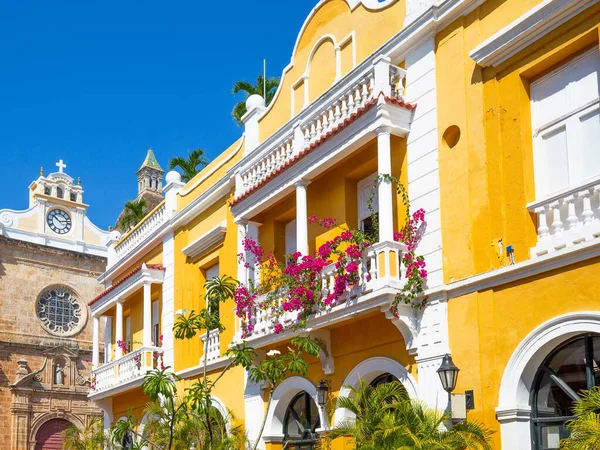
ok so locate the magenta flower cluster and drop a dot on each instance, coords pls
(296, 289)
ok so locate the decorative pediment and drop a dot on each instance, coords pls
(60, 369)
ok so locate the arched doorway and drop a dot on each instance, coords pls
(50, 435)
(569, 369)
(300, 423)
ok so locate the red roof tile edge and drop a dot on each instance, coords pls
(360, 111)
(122, 280)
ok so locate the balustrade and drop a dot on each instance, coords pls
(381, 267)
(568, 218)
(212, 346)
(318, 120)
(142, 230)
(130, 367)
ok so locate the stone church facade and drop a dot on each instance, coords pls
(50, 258)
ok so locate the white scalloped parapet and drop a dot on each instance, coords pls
(370, 4)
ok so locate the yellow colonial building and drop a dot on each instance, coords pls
(487, 111)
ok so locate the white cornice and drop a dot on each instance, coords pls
(128, 287)
(516, 272)
(207, 240)
(527, 29)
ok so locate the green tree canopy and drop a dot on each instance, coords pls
(272, 83)
(189, 166)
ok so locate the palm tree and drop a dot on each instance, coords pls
(92, 437)
(585, 428)
(189, 166)
(133, 213)
(272, 83)
(387, 418)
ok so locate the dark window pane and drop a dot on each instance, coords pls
(596, 360)
(552, 401)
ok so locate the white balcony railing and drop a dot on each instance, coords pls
(319, 119)
(150, 223)
(130, 367)
(212, 346)
(567, 218)
(381, 267)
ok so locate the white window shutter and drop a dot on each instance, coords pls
(290, 237)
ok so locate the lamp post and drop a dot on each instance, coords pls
(322, 391)
(448, 374)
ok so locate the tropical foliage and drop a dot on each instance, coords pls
(272, 83)
(182, 420)
(585, 428)
(189, 166)
(133, 213)
(386, 418)
(92, 437)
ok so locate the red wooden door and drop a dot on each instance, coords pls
(50, 435)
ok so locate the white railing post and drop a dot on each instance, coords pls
(255, 106)
(381, 66)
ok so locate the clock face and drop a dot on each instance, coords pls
(59, 221)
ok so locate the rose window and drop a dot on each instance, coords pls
(59, 311)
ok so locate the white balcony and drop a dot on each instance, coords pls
(381, 276)
(125, 372)
(212, 347)
(346, 101)
(567, 218)
(141, 231)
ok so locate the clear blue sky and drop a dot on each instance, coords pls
(98, 83)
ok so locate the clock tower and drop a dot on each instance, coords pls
(51, 255)
(56, 216)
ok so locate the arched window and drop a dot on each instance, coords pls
(59, 192)
(300, 423)
(383, 378)
(569, 369)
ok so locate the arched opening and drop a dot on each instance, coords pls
(59, 192)
(524, 386)
(375, 371)
(50, 435)
(569, 369)
(321, 69)
(300, 423)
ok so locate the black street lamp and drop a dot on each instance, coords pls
(322, 391)
(448, 374)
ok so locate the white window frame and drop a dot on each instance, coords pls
(363, 191)
(571, 121)
(128, 333)
(108, 340)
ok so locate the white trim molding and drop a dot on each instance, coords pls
(282, 396)
(368, 370)
(206, 241)
(527, 29)
(513, 411)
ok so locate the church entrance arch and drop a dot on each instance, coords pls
(50, 435)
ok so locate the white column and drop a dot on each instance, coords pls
(119, 326)
(95, 341)
(384, 189)
(301, 218)
(147, 315)
(242, 271)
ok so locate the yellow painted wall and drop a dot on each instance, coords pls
(332, 18)
(208, 176)
(487, 177)
(190, 276)
(133, 402)
(332, 194)
(485, 327)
